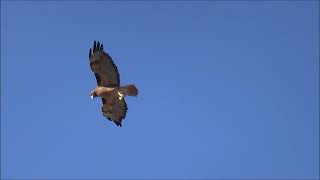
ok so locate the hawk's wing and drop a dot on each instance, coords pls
(104, 69)
(114, 110)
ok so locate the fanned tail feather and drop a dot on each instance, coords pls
(129, 90)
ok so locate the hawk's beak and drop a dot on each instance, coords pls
(91, 96)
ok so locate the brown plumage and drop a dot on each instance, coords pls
(114, 106)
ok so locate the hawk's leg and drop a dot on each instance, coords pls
(121, 96)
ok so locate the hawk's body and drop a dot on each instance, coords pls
(114, 106)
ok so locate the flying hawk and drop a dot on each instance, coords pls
(114, 106)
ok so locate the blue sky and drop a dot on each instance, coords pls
(227, 89)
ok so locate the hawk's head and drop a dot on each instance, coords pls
(93, 94)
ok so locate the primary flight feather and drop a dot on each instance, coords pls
(114, 106)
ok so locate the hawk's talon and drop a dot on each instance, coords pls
(121, 96)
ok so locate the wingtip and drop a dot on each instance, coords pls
(94, 46)
(118, 123)
(90, 53)
(98, 45)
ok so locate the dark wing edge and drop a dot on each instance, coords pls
(97, 51)
(98, 78)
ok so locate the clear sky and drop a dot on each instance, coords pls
(227, 89)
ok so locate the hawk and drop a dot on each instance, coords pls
(114, 106)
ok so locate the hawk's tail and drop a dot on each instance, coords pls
(129, 90)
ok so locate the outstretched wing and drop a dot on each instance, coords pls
(102, 65)
(114, 110)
